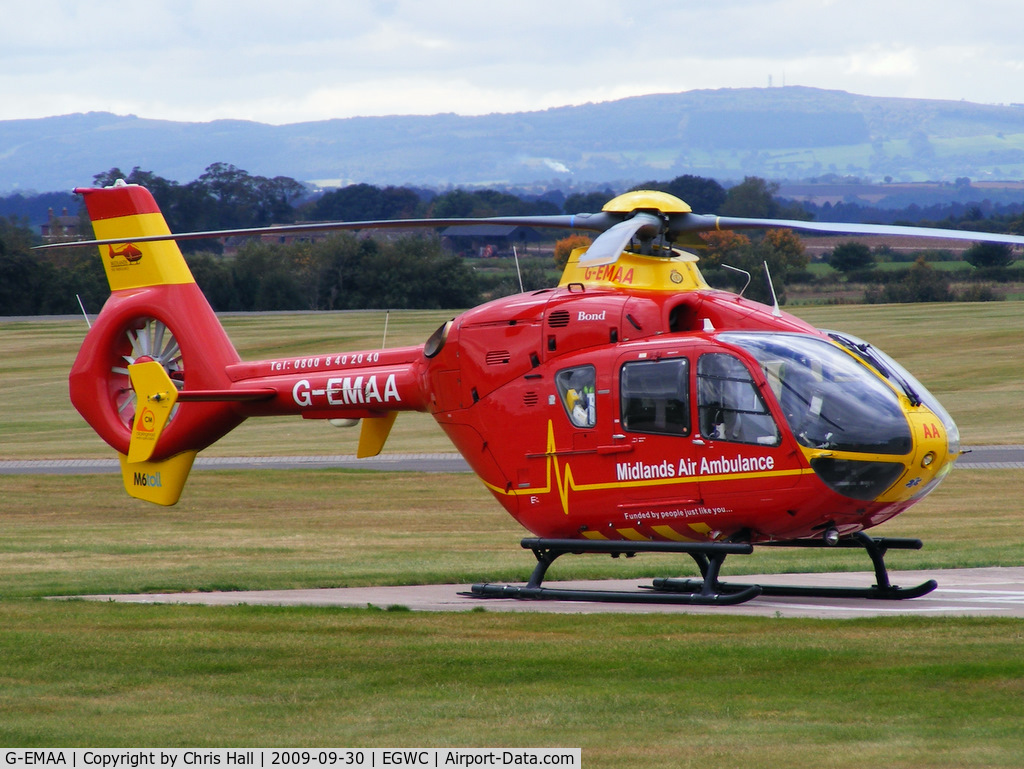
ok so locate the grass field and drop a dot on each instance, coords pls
(652, 691)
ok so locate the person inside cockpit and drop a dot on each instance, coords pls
(576, 388)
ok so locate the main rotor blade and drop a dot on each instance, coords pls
(705, 223)
(613, 241)
(615, 236)
(591, 222)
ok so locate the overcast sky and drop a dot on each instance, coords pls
(286, 62)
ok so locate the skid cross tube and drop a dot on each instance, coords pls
(876, 549)
(709, 557)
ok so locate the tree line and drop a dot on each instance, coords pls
(347, 272)
(340, 272)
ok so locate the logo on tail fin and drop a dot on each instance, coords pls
(147, 421)
(148, 480)
(130, 253)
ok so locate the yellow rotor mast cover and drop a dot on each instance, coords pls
(665, 271)
(653, 200)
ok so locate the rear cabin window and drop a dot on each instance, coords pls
(576, 391)
(654, 396)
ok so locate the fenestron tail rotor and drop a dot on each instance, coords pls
(144, 339)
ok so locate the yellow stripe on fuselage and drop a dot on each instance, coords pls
(669, 533)
(560, 478)
(564, 483)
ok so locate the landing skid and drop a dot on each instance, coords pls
(709, 557)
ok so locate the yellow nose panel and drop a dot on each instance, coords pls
(930, 458)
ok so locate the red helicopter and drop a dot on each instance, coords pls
(630, 409)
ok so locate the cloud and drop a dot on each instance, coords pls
(308, 60)
(884, 64)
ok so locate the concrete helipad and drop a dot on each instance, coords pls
(996, 591)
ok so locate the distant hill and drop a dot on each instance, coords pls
(778, 133)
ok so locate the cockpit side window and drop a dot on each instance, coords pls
(576, 391)
(729, 404)
(655, 396)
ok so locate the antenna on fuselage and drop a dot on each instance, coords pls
(741, 272)
(80, 304)
(776, 310)
(518, 273)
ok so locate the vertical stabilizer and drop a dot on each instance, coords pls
(125, 211)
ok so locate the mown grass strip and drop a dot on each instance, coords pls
(638, 691)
